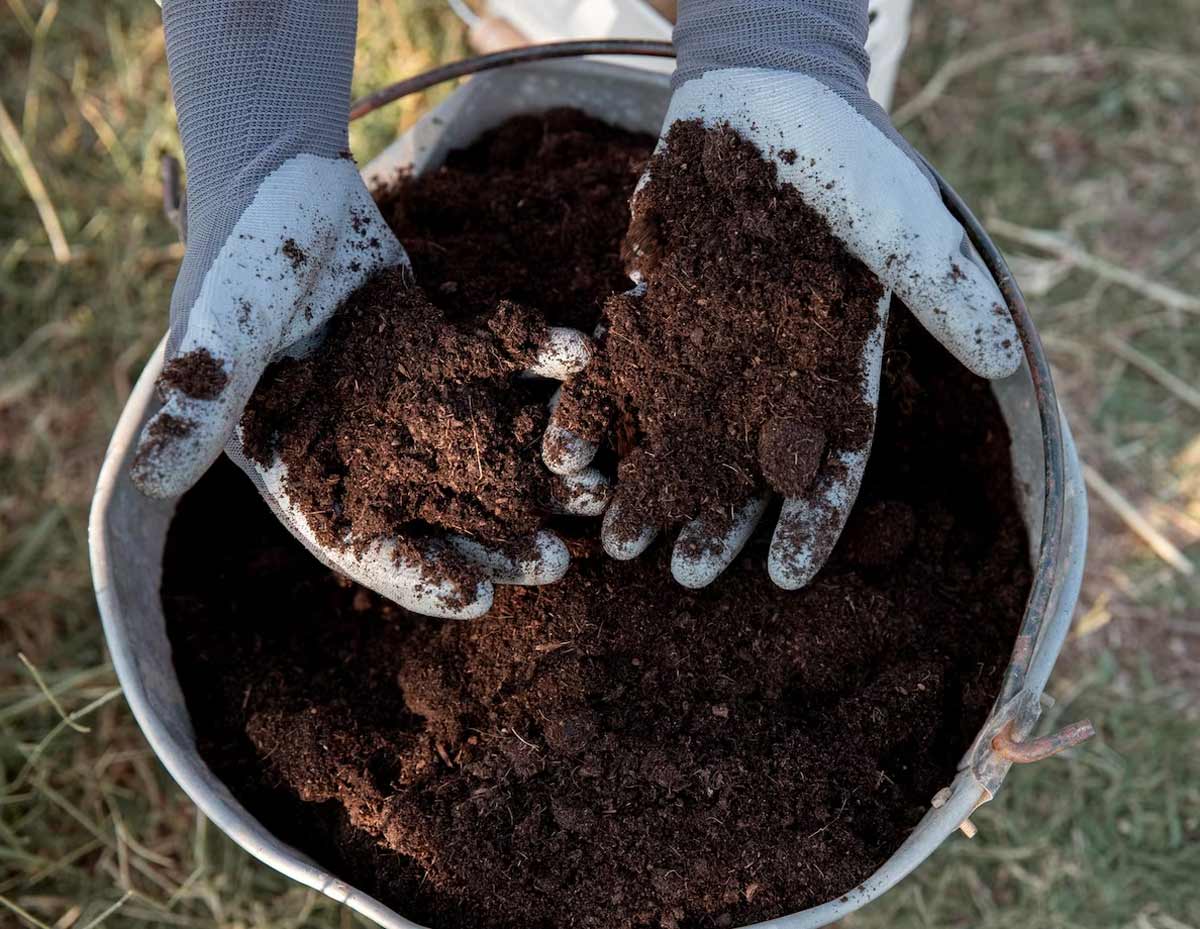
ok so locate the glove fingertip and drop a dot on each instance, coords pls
(482, 602)
(624, 538)
(172, 454)
(789, 564)
(564, 353)
(967, 313)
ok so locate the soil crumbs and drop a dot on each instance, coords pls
(412, 414)
(197, 374)
(613, 750)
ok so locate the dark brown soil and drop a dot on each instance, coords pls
(411, 415)
(295, 254)
(197, 374)
(613, 750)
(405, 419)
(740, 367)
(505, 219)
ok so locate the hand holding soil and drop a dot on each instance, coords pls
(770, 231)
(397, 450)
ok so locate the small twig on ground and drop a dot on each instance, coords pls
(109, 911)
(963, 64)
(18, 155)
(29, 918)
(49, 695)
(1048, 241)
(1163, 547)
(475, 434)
(1153, 370)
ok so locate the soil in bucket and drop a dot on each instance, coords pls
(614, 750)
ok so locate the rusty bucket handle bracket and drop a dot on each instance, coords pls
(1031, 750)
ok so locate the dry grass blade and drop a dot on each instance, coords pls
(23, 16)
(50, 698)
(18, 709)
(964, 64)
(1056, 244)
(109, 911)
(40, 748)
(18, 156)
(1153, 370)
(27, 917)
(1163, 547)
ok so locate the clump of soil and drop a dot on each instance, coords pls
(164, 429)
(613, 750)
(404, 418)
(196, 374)
(739, 368)
(411, 414)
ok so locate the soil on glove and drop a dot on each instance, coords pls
(404, 417)
(412, 414)
(196, 374)
(740, 368)
(614, 750)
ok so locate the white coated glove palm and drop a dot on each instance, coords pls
(885, 208)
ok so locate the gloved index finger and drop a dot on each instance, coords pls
(564, 352)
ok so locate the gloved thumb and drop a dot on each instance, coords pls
(204, 389)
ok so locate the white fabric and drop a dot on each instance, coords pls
(887, 37)
(556, 20)
(697, 571)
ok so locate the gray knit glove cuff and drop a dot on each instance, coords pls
(822, 39)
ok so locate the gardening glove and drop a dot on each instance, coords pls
(791, 76)
(281, 229)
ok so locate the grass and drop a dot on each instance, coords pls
(1084, 124)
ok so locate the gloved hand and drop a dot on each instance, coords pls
(280, 231)
(791, 76)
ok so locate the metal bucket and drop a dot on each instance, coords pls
(127, 530)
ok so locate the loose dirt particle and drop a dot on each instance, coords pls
(295, 254)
